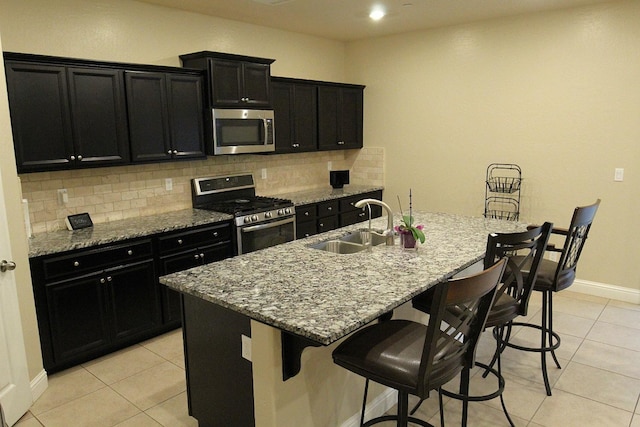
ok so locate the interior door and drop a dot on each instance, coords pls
(15, 390)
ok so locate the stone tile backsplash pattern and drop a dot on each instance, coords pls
(115, 193)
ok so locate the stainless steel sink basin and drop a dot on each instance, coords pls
(339, 247)
(349, 244)
(360, 237)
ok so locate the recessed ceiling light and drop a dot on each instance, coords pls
(377, 13)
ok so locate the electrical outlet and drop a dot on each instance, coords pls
(618, 175)
(246, 347)
(168, 184)
(263, 173)
(329, 165)
(63, 196)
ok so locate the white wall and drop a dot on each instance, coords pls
(557, 93)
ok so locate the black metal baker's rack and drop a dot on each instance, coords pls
(502, 191)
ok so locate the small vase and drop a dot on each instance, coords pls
(408, 241)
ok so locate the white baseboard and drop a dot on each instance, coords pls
(377, 407)
(606, 291)
(39, 384)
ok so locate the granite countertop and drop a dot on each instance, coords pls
(64, 240)
(326, 193)
(109, 232)
(324, 296)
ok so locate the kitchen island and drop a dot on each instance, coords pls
(317, 298)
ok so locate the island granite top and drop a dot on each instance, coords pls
(324, 296)
(317, 195)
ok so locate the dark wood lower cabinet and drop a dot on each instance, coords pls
(219, 379)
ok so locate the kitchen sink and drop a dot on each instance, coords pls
(351, 243)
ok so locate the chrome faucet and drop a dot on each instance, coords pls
(388, 233)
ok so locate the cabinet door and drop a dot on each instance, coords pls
(282, 96)
(40, 117)
(186, 115)
(305, 114)
(328, 120)
(226, 83)
(257, 84)
(148, 121)
(78, 318)
(133, 300)
(99, 118)
(350, 118)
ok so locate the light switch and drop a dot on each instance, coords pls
(619, 174)
(63, 196)
(168, 184)
(263, 173)
(329, 165)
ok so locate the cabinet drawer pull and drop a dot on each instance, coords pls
(340, 142)
(361, 214)
(202, 256)
(79, 157)
(109, 278)
(179, 241)
(306, 214)
(72, 158)
(321, 225)
(130, 252)
(329, 208)
(175, 151)
(103, 281)
(196, 256)
(76, 263)
(169, 152)
(215, 234)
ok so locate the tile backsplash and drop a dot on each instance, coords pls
(114, 193)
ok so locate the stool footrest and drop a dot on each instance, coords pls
(384, 418)
(485, 397)
(554, 345)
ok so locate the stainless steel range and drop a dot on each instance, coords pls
(260, 221)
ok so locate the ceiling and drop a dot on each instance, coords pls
(348, 20)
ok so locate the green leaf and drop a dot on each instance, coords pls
(418, 234)
(408, 220)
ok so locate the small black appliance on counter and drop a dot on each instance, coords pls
(338, 179)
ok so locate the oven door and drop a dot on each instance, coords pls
(266, 234)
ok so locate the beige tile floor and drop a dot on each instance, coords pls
(598, 385)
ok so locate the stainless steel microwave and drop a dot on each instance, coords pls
(237, 131)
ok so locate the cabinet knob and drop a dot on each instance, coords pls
(103, 281)
(215, 234)
(321, 225)
(296, 145)
(329, 208)
(129, 252)
(202, 256)
(196, 256)
(246, 99)
(76, 263)
(109, 278)
(307, 234)
(175, 151)
(79, 157)
(72, 158)
(179, 241)
(306, 214)
(361, 214)
(340, 142)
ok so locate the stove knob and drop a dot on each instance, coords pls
(267, 215)
(287, 211)
(280, 211)
(247, 219)
(254, 217)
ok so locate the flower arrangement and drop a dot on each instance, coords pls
(407, 226)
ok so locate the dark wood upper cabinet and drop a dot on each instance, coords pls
(340, 117)
(234, 81)
(165, 116)
(295, 116)
(66, 117)
(98, 116)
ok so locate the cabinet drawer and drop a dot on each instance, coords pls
(96, 259)
(305, 213)
(348, 203)
(353, 217)
(194, 238)
(306, 229)
(328, 208)
(327, 223)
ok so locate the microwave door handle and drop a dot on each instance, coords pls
(268, 225)
(265, 130)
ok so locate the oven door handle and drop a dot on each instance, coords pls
(268, 225)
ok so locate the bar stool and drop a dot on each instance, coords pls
(555, 276)
(414, 358)
(512, 298)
